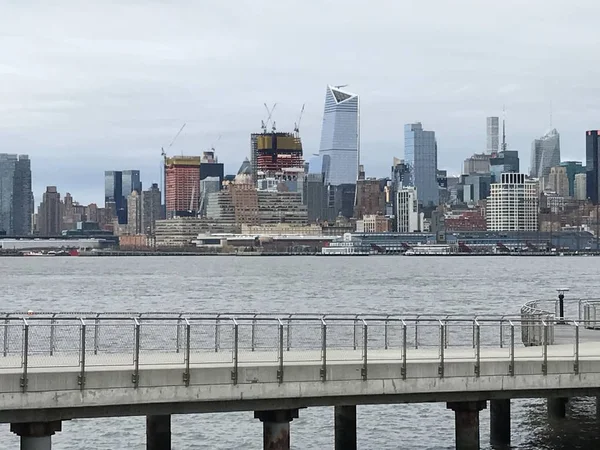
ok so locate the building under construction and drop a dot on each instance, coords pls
(273, 152)
(182, 186)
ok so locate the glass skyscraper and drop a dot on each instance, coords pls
(545, 153)
(340, 137)
(16, 197)
(420, 154)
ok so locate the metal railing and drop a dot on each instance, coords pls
(142, 341)
(589, 311)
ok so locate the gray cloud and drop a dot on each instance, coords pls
(89, 86)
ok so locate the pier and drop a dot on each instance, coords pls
(56, 367)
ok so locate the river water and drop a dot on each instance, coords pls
(472, 285)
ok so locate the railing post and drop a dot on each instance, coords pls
(354, 339)
(545, 348)
(135, 378)
(188, 331)
(323, 350)
(178, 337)
(446, 332)
(416, 332)
(25, 354)
(6, 324)
(363, 371)
(234, 372)
(501, 333)
(477, 348)
(81, 377)
(52, 323)
(253, 332)
(96, 331)
(289, 332)
(442, 344)
(576, 362)
(385, 333)
(404, 346)
(280, 358)
(217, 331)
(511, 365)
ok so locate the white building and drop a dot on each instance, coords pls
(580, 186)
(409, 220)
(513, 204)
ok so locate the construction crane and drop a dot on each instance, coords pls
(265, 124)
(192, 199)
(297, 124)
(163, 174)
(163, 152)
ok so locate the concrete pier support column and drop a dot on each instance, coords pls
(467, 423)
(276, 427)
(158, 432)
(500, 422)
(345, 427)
(36, 435)
(598, 407)
(557, 407)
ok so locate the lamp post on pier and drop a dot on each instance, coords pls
(561, 304)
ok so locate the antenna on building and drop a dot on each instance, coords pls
(297, 124)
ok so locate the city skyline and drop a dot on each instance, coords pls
(114, 96)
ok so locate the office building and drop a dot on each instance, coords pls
(182, 184)
(409, 219)
(113, 193)
(50, 213)
(373, 223)
(478, 163)
(506, 161)
(420, 153)
(573, 168)
(558, 182)
(580, 192)
(276, 152)
(134, 213)
(340, 137)
(513, 204)
(314, 197)
(475, 187)
(400, 172)
(545, 153)
(16, 196)
(592, 149)
(493, 135)
(211, 167)
(151, 209)
(370, 198)
(208, 186)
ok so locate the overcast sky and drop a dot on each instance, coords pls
(92, 86)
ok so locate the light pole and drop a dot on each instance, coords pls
(561, 304)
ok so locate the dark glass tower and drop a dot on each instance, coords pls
(592, 144)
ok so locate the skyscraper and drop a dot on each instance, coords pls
(182, 176)
(407, 205)
(340, 137)
(513, 204)
(573, 168)
(420, 153)
(545, 153)
(151, 209)
(16, 197)
(592, 178)
(134, 213)
(493, 135)
(49, 213)
(131, 182)
(113, 193)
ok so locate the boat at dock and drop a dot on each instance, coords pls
(347, 246)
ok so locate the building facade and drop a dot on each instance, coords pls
(545, 153)
(513, 204)
(151, 209)
(580, 187)
(370, 198)
(373, 223)
(558, 181)
(340, 137)
(420, 153)
(16, 196)
(592, 149)
(182, 184)
(573, 168)
(493, 135)
(134, 213)
(478, 163)
(50, 213)
(408, 219)
(113, 193)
